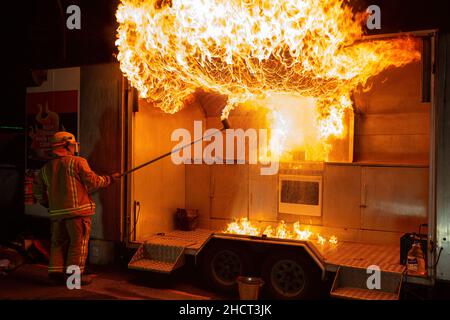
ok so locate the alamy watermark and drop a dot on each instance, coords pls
(234, 145)
(374, 18)
(74, 279)
(73, 21)
(374, 280)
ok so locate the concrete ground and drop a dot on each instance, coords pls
(30, 281)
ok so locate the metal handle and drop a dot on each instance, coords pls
(213, 187)
(364, 197)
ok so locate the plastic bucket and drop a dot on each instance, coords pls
(249, 287)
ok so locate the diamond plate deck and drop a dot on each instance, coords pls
(152, 265)
(192, 240)
(159, 255)
(352, 283)
(360, 255)
(169, 241)
(165, 252)
(363, 294)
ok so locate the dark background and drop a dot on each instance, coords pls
(47, 43)
(36, 37)
(40, 40)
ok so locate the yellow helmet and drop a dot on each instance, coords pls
(62, 139)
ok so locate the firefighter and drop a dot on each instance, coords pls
(64, 185)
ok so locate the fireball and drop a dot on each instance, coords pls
(250, 50)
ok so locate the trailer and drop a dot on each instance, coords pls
(385, 181)
(292, 269)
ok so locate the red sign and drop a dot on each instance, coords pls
(49, 112)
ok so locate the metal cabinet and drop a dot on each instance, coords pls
(197, 190)
(263, 195)
(380, 198)
(394, 198)
(342, 196)
(229, 191)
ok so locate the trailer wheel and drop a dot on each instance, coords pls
(222, 265)
(290, 277)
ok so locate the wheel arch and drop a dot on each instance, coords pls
(261, 248)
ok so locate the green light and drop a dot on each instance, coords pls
(11, 128)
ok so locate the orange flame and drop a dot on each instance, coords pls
(253, 49)
(243, 226)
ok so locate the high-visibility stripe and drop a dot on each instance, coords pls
(88, 205)
(82, 253)
(55, 269)
(73, 183)
(71, 186)
(44, 176)
(78, 213)
(102, 181)
(84, 248)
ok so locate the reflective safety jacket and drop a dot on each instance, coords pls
(68, 182)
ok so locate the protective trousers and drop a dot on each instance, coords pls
(69, 243)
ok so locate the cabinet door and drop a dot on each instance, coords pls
(229, 191)
(394, 199)
(341, 196)
(198, 179)
(263, 202)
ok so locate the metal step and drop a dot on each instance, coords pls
(160, 254)
(351, 283)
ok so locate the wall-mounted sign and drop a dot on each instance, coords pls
(51, 107)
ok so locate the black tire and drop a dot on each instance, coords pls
(290, 276)
(223, 264)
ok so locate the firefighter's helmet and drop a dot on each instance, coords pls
(62, 139)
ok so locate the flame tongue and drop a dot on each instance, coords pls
(244, 227)
(249, 49)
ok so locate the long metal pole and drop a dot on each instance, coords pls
(169, 153)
